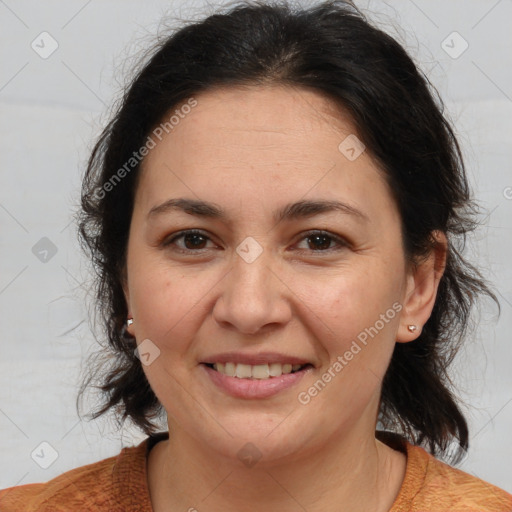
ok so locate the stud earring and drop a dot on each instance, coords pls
(129, 322)
(412, 328)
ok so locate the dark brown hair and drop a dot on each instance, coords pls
(332, 49)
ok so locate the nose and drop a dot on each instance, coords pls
(253, 297)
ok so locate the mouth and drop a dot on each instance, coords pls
(257, 371)
(254, 381)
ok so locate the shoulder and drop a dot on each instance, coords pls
(101, 486)
(432, 485)
(82, 486)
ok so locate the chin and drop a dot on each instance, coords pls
(259, 439)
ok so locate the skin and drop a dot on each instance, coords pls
(251, 151)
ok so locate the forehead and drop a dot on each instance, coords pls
(273, 113)
(267, 142)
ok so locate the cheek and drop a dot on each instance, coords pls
(355, 323)
(356, 306)
(166, 301)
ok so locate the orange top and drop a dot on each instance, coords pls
(119, 484)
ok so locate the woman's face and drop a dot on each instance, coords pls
(275, 276)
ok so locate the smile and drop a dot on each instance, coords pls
(257, 371)
(256, 381)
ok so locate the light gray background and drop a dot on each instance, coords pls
(53, 108)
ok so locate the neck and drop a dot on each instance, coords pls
(353, 472)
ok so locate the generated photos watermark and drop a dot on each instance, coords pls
(305, 397)
(137, 156)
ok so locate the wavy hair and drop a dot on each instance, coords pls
(333, 49)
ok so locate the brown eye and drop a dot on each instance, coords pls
(191, 240)
(321, 241)
(194, 241)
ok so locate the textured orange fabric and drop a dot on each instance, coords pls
(119, 484)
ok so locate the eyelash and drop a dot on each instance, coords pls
(309, 234)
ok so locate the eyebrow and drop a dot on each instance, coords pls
(291, 211)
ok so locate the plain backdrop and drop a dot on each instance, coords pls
(62, 63)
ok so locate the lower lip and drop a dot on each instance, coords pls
(254, 388)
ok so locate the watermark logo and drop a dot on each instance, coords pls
(44, 45)
(351, 147)
(44, 455)
(454, 45)
(249, 250)
(147, 352)
(249, 455)
(44, 250)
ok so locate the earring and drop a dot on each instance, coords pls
(412, 328)
(129, 322)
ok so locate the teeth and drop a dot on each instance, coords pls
(229, 369)
(275, 369)
(257, 371)
(243, 371)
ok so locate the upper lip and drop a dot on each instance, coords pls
(254, 359)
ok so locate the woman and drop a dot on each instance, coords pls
(274, 214)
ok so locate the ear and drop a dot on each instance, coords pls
(421, 289)
(124, 284)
